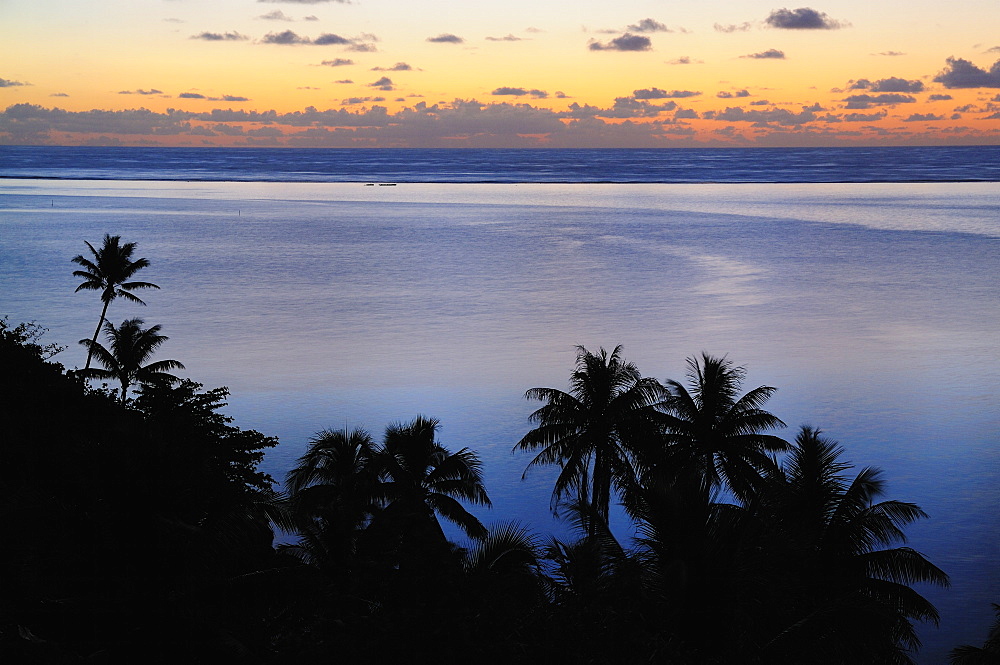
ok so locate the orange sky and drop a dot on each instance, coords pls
(559, 74)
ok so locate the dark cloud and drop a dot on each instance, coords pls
(773, 115)
(234, 98)
(683, 60)
(626, 42)
(769, 54)
(648, 25)
(863, 117)
(802, 18)
(891, 84)
(760, 102)
(58, 94)
(337, 62)
(656, 93)
(890, 53)
(362, 48)
(560, 95)
(446, 38)
(228, 130)
(685, 114)
(520, 92)
(221, 37)
(384, 83)
(191, 95)
(733, 27)
(276, 15)
(287, 37)
(151, 91)
(344, 81)
(939, 98)
(398, 67)
(507, 38)
(920, 117)
(328, 38)
(961, 73)
(725, 94)
(868, 101)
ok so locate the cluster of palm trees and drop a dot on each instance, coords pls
(110, 270)
(746, 548)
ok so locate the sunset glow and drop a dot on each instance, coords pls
(442, 73)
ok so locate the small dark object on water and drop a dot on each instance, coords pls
(387, 184)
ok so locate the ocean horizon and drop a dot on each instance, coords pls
(859, 282)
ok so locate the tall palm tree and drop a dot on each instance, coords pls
(854, 600)
(109, 272)
(592, 430)
(130, 347)
(423, 480)
(714, 433)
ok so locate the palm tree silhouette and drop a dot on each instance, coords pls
(712, 432)
(854, 593)
(131, 347)
(423, 480)
(592, 431)
(333, 497)
(109, 271)
(988, 654)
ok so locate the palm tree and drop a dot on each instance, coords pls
(593, 430)
(712, 432)
(854, 600)
(131, 346)
(109, 271)
(988, 654)
(421, 480)
(332, 494)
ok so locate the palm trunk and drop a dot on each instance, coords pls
(90, 349)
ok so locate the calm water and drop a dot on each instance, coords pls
(872, 307)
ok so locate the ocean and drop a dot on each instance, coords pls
(333, 288)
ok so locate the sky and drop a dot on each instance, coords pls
(518, 73)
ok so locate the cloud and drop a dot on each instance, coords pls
(802, 18)
(191, 95)
(310, 18)
(446, 38)
(560, 95)
(774, 115)
(520, 92)
(276, 15)
(220, 37)
(337, 62)
(684, 60)
(992, 49)
(685, 114)
(328, 38)
(939, 98)
(863, 117)
(961, 73)
(234, 98)
(648, 25)
(362, 48)
(891, 84)
(868, 101)
(626, 42)
(733, 27)
(506, 38)
(920, 117)
(286, 37)
(890, 53)
(384, 83)
(760, 102)
(58, 94)
(656, 93)
(344, 81)
(724, 94)
(398, 67)
(152, 91)
(769, 54)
